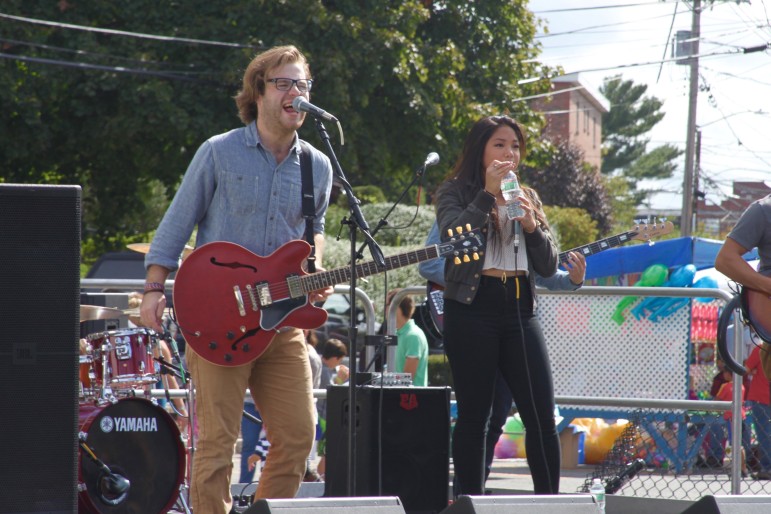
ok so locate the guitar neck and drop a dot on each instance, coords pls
(324, 279)
(599, 246)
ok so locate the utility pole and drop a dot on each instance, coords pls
(686, 221)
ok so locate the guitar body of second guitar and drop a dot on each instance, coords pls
(216, 300)
(757, 310)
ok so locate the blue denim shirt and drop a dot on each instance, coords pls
(234, 190)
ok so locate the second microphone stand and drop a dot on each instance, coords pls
(355, 222)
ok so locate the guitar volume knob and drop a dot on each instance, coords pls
(213, 345)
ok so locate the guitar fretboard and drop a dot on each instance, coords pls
(324, 279)
(598, 246)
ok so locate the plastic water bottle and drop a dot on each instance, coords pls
(598, 494)
(511, 193)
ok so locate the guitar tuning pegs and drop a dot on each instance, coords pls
(468, 227)
(475, 256)
(459, 230)
(466, 258)
(449, 232)
(456, 260)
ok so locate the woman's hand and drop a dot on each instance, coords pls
(528, 220)
(495, 172)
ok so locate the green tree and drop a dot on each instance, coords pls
(122, 115)
(567, 181)
(633, 115)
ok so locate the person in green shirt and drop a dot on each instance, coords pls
(412, 346)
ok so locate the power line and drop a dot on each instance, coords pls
(90, 54)
(123, 32)
(114, 69)
(594, 8)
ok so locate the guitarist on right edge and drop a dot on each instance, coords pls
(752, 230)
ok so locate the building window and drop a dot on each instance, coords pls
(578, 116)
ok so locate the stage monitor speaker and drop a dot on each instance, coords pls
(382, 505)
(402, 445)
(731, 505)
(524, 504)
(40, 277)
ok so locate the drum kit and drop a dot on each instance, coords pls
(133, 457)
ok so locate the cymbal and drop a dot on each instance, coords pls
(145, 247)
(94, 312)
(135, 318)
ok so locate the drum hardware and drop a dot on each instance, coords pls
(169, 368)
(113, 487)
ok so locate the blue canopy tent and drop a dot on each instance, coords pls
(671, 253)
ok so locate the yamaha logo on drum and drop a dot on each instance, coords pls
(108, 424)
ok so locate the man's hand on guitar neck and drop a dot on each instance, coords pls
(320, 295)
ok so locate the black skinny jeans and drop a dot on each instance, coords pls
(500, 332)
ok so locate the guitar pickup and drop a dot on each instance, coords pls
(263, 294)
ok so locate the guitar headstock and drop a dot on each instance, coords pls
(645, 231)
(462, 246)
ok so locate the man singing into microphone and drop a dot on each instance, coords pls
(244, 186)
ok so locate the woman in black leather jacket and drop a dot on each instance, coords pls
(490, 321)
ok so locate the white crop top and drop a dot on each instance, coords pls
(500, 250)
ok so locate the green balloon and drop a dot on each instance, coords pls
(513, 425)
(653, 276)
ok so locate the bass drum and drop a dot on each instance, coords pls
(139, 441)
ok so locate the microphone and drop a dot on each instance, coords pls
(300, 104)
(114, 484)
(626, 474)
(431, 160)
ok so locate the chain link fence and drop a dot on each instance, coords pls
(681, 455)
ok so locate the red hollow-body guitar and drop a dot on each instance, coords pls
(230, 302)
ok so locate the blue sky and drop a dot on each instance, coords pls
(602, 38)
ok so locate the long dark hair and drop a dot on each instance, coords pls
(469, 168)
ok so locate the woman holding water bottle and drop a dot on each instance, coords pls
(490, 321)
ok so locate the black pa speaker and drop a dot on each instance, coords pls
(525, 504)
(731, 505)
(402, 444)
(40, 277)
(328, 506)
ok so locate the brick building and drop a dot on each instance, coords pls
(574, 114)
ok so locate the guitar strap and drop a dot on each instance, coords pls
(308, 201)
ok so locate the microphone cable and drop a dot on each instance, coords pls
(542, 446)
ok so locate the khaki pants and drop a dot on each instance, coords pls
(280, 382)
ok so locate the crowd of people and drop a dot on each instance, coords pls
(244, 186)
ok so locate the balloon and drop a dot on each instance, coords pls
(600, 437)
(505, 449)
(511, 444)
(653, 276)
(659, 307)
(706, 282)
(513, 426)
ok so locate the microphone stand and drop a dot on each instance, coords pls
(382, 342)
(356, 221)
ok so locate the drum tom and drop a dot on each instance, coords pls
(128, 355)
(136, 440)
